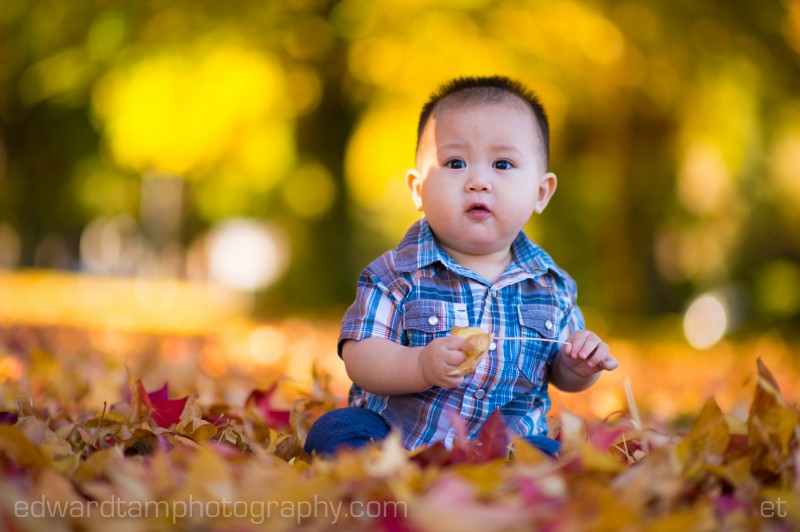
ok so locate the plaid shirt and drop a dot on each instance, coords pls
(417, 292)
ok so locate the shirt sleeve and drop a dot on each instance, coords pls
(373, 314)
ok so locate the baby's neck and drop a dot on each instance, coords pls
(490, 266)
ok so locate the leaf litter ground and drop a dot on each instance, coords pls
(150, 459)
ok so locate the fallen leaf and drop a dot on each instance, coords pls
(8, 418)
(164, 411)
(17, 448)
(261, 402)
(98, 464)
(708, 440)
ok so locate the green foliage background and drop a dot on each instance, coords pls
(676, 133)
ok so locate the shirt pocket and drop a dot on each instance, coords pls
(426, 319)
(537, 321)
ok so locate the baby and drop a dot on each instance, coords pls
(481, 172)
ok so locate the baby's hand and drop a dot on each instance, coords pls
(588, 354)
(441, 357)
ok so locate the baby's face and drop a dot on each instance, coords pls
(480, 175)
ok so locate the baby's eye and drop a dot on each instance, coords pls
(502, 164)
(455, 164)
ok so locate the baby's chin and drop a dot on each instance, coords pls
(479, 248)
(472, 244)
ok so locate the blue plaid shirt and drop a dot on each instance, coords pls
(417, 292)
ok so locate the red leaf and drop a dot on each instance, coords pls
(602, 437)
(160, 395)
(165, 412)
(261, 401)
(9, 418)
(168, 413)
(492, 442)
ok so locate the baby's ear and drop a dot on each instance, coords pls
(414, 182)
(547, 187)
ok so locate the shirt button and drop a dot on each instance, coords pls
(493, 293)
(492, 346)
(547, 325)
(433, 320)
(479, 394)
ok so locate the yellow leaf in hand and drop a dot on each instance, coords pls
(479, 342)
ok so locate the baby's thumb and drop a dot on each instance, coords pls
(610, 363)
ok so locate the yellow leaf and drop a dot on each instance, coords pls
(98, 464)
(388, 460)
(55, 447)
(191, 410)
(19, 449)
(208, 476)
(68, 464)
(771, 427)
(163, 479)
(655, 483)
(197, 429)
(596, 460)
(525, 453)
(708, 439)
(104, 420)
(735, 425)
(699, 517)
(573, 430)
(485, 478)
(613, 513)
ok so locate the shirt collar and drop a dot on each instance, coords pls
(419, 249)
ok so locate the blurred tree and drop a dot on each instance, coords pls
(664, 116)
(675, 132)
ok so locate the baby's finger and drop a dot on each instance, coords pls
(567, 349)
(454, 357)
(573, 349)
(610, 363)
(590, 344)
(450, 381)
(455, 342)
(598, 354)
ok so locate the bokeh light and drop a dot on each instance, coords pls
(182, 110)
(778, 288)
(267, 344)
(380, 152)
(110, 246)
(310, 191)
(246, 254)
(705, 321)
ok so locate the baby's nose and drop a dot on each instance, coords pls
(478, 181)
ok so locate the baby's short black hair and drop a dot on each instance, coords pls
(487, 90)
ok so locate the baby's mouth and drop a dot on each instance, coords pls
(478, 210)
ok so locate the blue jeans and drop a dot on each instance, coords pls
(345, 427)
(548, 446)
(355, 427)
